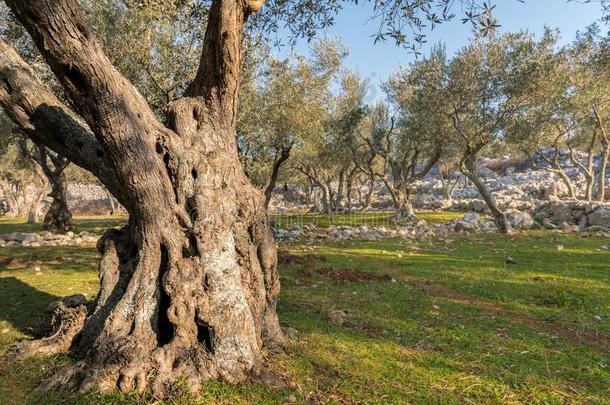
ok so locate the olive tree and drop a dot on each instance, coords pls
(189, 286)
(284, 109)
(489, 82)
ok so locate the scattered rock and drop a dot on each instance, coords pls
(521, 220)
(337, 317)
(600, 217)
(290, 331)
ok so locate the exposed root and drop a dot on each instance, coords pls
(63, 320)
(61, 377)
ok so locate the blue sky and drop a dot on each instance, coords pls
(376, 61)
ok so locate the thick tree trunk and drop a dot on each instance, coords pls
(403, 208)
(405, 212)
(277, 164)
(189, 287)
(186, 297)
(58, 218)
(470, 170)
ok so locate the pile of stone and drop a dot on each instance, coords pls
(418, 230)
(574, 215)
(17, 239)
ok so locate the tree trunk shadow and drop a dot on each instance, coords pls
(22, 305)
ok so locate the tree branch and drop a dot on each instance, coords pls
(217, 80)
(115, 111)
(45, 119)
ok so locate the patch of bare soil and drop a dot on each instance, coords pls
(590, 338)
(12, 262)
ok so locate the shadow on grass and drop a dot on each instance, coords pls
(21, 304)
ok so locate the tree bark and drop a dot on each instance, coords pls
(189, 287)
(468, 167)
(277, 164)
(58, 217)
(35, 203)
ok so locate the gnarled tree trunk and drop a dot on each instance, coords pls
(58, 217)
(189, 286)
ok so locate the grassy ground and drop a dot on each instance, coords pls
(426, 323)
(92, 224)
(376, 218)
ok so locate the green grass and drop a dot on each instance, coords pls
(369, 218)
(97, 224)
(91, 224)
(455, 325)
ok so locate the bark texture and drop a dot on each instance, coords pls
(50, 167)
(189, 286)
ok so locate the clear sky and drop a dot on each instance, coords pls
(376, 61)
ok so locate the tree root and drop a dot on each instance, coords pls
(63, 320)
